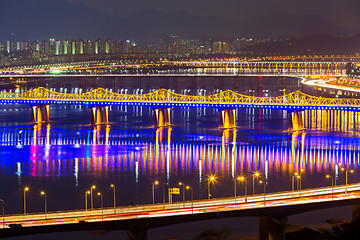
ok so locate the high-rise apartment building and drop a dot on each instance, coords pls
(98, 47)
(88, 47)
(8, 47)
(67, 47)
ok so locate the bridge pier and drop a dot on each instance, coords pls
(296, 120)
(272, 228)
(162, 117)
(356, 211)
(100, 115)
(227, 118)
(40, 114)
(137, 234)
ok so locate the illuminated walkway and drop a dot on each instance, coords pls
(137, 219)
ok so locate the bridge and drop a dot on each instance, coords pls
(272, 210)
(163, 100)
(292, 66)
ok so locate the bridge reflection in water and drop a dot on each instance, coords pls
(170, 153)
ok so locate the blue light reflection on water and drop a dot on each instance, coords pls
(66, 159)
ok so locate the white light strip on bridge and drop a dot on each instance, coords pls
(322, 83)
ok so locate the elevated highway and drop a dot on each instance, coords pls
(272, 208)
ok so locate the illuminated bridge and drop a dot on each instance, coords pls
(276, 66)
(163, 100)
(271, 208)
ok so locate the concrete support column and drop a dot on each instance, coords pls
(296, 120)
(162, 117)
(137, 234)
(40, 114)
(356, 211)
(46, 113)
(272, 228)
(100, 115)
(227, 118)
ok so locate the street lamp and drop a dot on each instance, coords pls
(235, 181)
(293, 182)
(91, 197)
(86, 201)
(255, 175)
(26, 189)
(155, 183)
(262, 182)
(43, 193)
(3, 212)
(346, 177)
(113, 186)
(192, 198)
(299, 181)
(211, 179)
(183, 191)
(102, 206)
(243, 179)
(332, 185)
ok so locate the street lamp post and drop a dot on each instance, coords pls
(346, 177)
(332, 185)
(102, 206)
(293, 182)
(255, 175)
(91, 197)
(335, 173)
(183, 191)
(292, 185)
(243, 179)
(299, 183)
(153, 190)
(25, 190)
(86, 202)
(263, 182)
(192, 198)
(113, 186)
(3, 212)
(43, 193)
(235, 181)
(210, 180)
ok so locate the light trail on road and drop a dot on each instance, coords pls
(280, 199)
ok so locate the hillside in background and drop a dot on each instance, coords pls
(23, 20)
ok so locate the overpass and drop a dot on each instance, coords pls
(272, 210)
(163, 100)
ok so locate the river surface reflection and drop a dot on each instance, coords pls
(67, 156)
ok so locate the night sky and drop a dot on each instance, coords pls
(140, 19)
(343, 13)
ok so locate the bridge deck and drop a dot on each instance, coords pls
(254, 202)
(163, 97)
